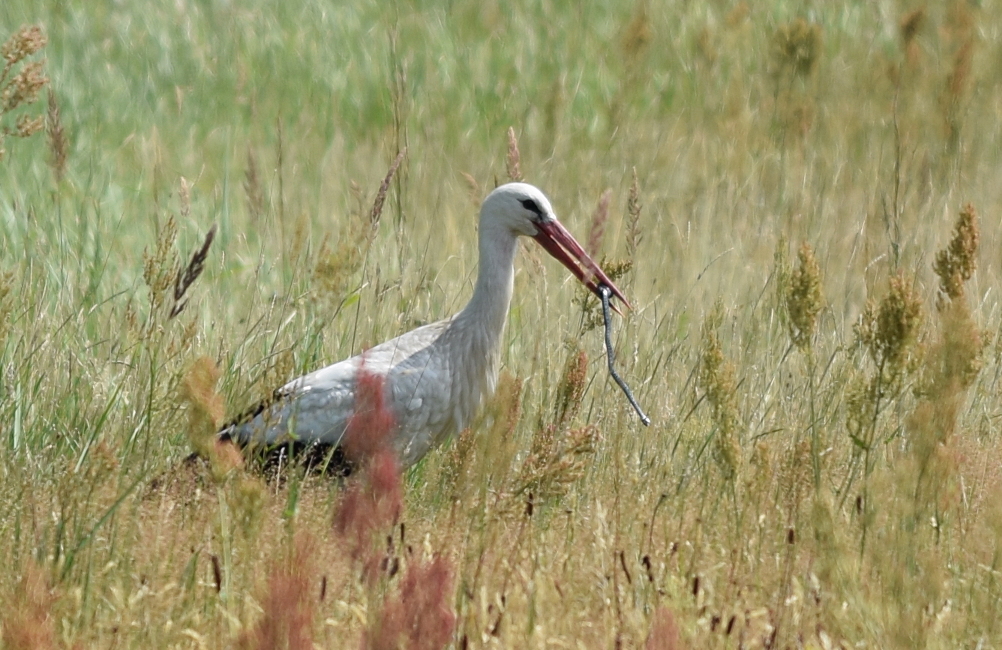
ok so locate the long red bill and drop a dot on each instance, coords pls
(561, 244)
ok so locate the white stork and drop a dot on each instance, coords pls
(435, 377)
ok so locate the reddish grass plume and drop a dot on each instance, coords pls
(27, 621)
(664, 634)
(419, 616)
(287, 621)
(373, 501)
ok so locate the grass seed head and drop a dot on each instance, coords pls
(160, 268)
(7, 296)
(371, 505)
(890, 330)
(556, 461)
(286, 621)
(796, 47)
(27, 621)
(803, 298)
(23, 87)
(956, 263)
(598, 220)
(796, 476)
(200, 390)
(183, 281)
(205, 411)
(960, 31)
(374, 499)
(738, 15)
(247, 499)
(633, 208)
(591, 306)
(370, 426)
(716, 379)
(28, 40)
(638, 33)
(707, 45)
(334, 269)
(384, 188)
(419, 616)
(571, 388)
(27, 126)
(58, 144)
(664, 633)
(910, 25)
(514, 157)
(559, 455)
(253, 188)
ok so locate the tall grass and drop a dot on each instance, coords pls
(782, 188)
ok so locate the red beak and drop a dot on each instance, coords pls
(561, 244)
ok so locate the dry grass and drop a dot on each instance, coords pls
(822, 468)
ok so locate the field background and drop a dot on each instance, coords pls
(746, 515)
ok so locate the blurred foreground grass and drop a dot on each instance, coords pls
(823, 468)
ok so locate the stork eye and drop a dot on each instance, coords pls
(531, 206)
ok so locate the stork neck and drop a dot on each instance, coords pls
(488, 306)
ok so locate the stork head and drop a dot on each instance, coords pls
(524, 210)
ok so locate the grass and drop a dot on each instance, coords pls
(822, 468)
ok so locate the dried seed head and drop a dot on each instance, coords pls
(28, 618)
(556, 460)
(247, 500)
(956, 263)
(598, 219)
(161, 267)
(514, 169)
(716, 379)
(420, 616)
(30, 81)
(910, 25)
(287, 611)
(58, 144)
(633, 209)
(205, 414)
(796, 47)
(803, 298)
(571, 387)
(591, 306)
(738, 15)
(28, 126)
(889, 330)
(253, 188)
(184, 196)
(183, 281)
(374, 499)
(25, 42)
(24, 87)
(638, 33)
(200, 389)
(7, 296)
(384, 187)
(473, 187)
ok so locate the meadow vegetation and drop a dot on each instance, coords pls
(800, 199)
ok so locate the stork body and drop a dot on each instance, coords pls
(434, 377)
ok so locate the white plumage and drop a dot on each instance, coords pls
(434, 377)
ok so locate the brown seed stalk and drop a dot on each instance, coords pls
(377, 205)
(514, 168)
(194, 269)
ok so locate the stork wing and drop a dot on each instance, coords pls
(315, 408)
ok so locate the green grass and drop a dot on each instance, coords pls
(801, 537)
